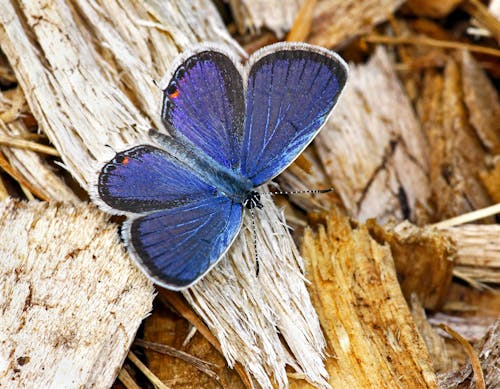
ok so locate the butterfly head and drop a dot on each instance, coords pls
(253, 200)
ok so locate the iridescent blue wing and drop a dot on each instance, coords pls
(178, 226)
(177, 246)
(204, 103)
(145, 178)
(292, 88)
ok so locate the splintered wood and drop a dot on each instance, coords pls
(423, 258)
(372, 149)
(456, 154)
(415, 139)
(266, 322)
(478, 253)
(71, 298)
(72, 85)
(334, 21)
(489, 357)
(29, 165)
(371, 337)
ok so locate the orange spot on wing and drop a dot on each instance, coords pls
(175, 94)
(125, 160)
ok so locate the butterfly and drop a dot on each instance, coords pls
(230, 129)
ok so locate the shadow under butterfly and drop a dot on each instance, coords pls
(232, 128)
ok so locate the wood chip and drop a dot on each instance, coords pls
(489, 359)
(334, 23)
(371, 336)
(478, 252)
(424, 260)
(432, 9)
(482, 101)
(373, 148)
(456, 154)
(72, 300)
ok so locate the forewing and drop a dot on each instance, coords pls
(178, 246)
(204, 103)
(145, 178)
(292, 88)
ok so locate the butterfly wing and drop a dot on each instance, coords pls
(177, 246)
(204, 103)
(292, 89)
(144, 179)
(178, 226)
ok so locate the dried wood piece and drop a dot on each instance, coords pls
(264, 322)
(337, 21)
(456, 154)
(489, 356)
(71, 85)
(471, 353)
(72, 300)
(302, 26)
(372, 338)
(165, 328)
(74, 102)
(435, 343)
(490, 177)
(30, 165)
(423, 258)
(276, 15)
(483, 104)
(478, 252)
(334, 21)
(432, 9)
(373, 148)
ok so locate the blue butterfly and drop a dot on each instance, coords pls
(231, 129)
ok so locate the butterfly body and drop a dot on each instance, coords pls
(227, 182)
(231, 128)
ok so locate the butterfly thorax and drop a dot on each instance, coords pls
(253, 200)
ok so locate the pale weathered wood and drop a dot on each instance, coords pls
(29, 164)
(71, 298)
(276, 15)
(478, 252)
(372, 339)
(373, 149)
